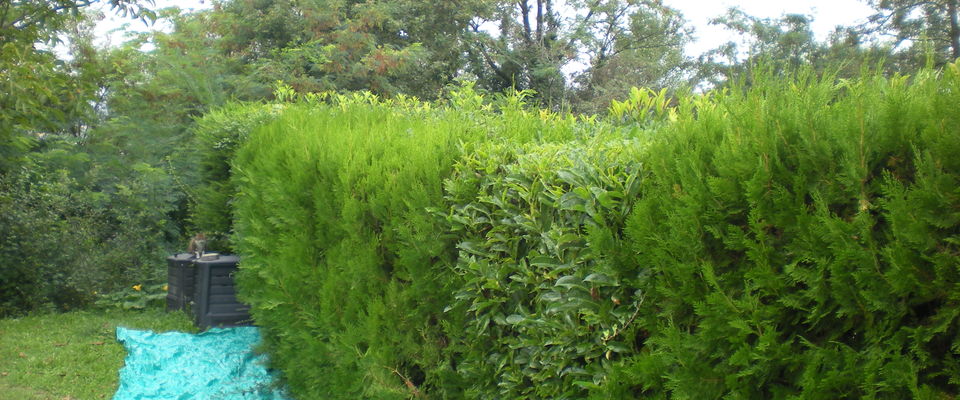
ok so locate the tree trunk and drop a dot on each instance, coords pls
(954, 28)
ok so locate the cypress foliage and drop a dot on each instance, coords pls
(341, 262)
(801, 239)
(794, 238)
(217, 135)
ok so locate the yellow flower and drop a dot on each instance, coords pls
(137, 287)
(164, 288)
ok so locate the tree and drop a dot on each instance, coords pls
(528, 45)
(644, 49)
(786, 44)
(39, 95)
(935, 22)
(388, 47)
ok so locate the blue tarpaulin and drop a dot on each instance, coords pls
(218, 364)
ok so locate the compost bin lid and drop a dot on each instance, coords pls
(181, 257)
(223, 259)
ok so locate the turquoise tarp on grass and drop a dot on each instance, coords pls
(213, 365)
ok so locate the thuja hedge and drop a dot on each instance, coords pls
(790, 238)
(801, 238)
(346, 253)
(216, 137)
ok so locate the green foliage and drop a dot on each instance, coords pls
(798, 239)
(217, 135)
(39, 94)
(388, 48)
(68, 230)
(793, 238)
(926, 27)
(88, 154)
(136, 297)
(540, 304)
(339, 256)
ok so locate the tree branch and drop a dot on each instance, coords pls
(954, 28)
(41, 15)
(486, 55)
(525, 11)
(540, 21)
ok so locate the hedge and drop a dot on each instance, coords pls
(339, 255)
(801, 241)
(216, 137)
(794, 237)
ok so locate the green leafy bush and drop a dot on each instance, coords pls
(67, 231)
(539, 307)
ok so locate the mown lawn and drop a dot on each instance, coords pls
(73, 355)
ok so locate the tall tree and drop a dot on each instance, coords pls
(387, 47)
(640, 46)
(786, 44)
(528, 44)
(936, 22)
(39, 94)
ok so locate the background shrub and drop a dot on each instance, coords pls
(66, 237)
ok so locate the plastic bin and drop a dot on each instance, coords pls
(181, 278)
(215, 299)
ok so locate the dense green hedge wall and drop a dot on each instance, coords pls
(340, 258)
(794, 238)
(802, 240)
(217, 135)
(540, 306)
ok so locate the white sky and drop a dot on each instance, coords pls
(827, 14)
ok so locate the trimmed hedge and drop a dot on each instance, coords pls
(339, 256)
(217, 135)
(797, 238)
(800, 239)
(538, 306)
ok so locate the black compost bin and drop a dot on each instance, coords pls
(181, 276)
(215, 300)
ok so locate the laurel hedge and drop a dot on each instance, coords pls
(787, 238)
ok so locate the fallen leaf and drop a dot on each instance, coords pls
(22, 355)
(97, 344)
(4, 373)
(59, 344)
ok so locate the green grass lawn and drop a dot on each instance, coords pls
(73, 355)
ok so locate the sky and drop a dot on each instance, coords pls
(827, 15)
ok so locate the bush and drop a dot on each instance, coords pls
(794, 238)
(217, 135)
(539, 307)
(799, 239)
(68, 233)
(339, 256)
